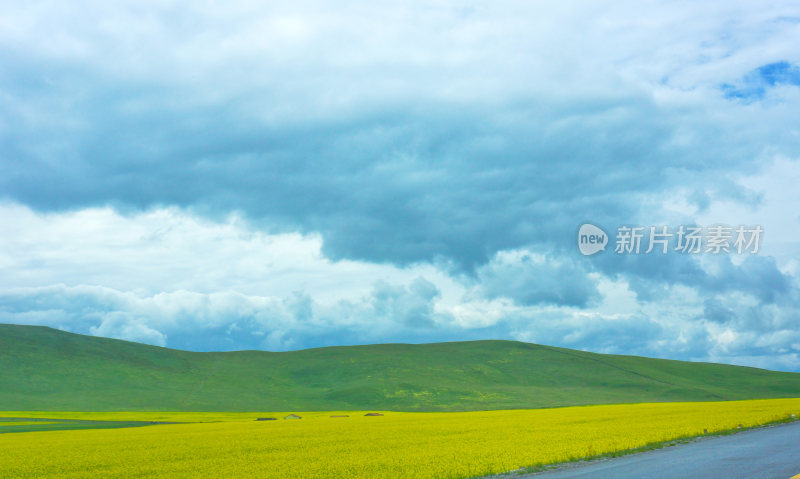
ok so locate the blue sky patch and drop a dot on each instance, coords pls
(756, 83)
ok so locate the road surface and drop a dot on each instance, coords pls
(766, 453)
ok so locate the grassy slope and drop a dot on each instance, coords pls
(46, 369)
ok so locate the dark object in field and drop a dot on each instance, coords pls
(344, 415)
(267, 419)
(293, 416)
(373, 414)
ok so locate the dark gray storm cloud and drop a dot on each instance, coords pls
(391, 158)
(531, 281)
(406, 183)
(753, 275)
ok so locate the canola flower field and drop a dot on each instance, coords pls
(414, 445)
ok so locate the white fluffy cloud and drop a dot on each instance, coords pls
(166, 250)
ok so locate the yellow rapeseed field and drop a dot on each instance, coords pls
(413, 445)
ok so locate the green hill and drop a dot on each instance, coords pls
(46, 369)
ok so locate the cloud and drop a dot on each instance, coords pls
(411, 305)
(449, 133)
(168, 277)
(228, 320)
(536, 279)
(121, 326)
(286, 176)
(168, 249)
(679, 324)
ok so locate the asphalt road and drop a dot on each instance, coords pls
(768, 453)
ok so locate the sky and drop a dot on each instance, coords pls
(261, 175)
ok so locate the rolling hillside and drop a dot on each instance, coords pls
(46, 369)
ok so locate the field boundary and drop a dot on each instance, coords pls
(585, 461)
(43, 424)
